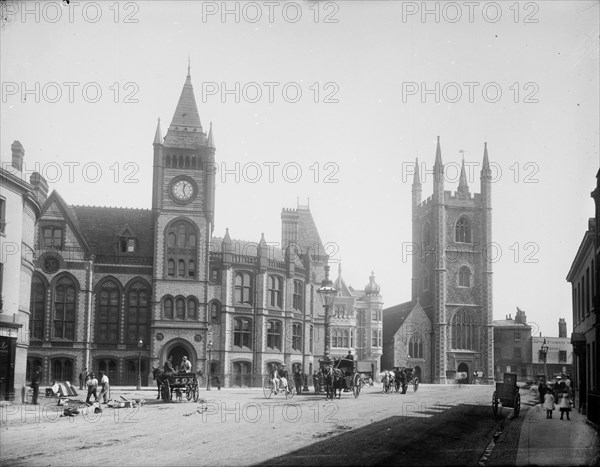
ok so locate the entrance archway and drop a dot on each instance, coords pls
(464, 369)
(178, 352)
(178, 348)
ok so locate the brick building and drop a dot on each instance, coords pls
(512, 347)
(451, 282)
(113, 284)
(584, 276)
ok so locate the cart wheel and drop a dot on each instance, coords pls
(495, 404)
(415, 384)
(165, 391)
(356, 385)
(196, 392)
(289, 392)
(189, 392)
(517, 405)
(268, 388)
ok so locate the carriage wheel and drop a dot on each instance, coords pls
(517, 405)
(289, 392)
(495, 404)
(165, 391)
(268, 388)
(415, 384)
(196, 392)
(189, 392)
(356, 385)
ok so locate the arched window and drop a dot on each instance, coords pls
(298, 297)
(214, 312)
(62, 369)
(463, 230)
(464, 277)
(275, 291)
(65, 303)
(415, 346)
(274, 334)
(108, 306)
(427, 234)
(138, 312)
(181, 249)
(192, 308)
(297, 336)
(180, 308)
(168, 307)
(345, 339)
(37, 308)
(243, 288)
(465, 330)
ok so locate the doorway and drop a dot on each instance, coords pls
(463, 369)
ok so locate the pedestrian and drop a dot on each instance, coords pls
(549, 403)
(35, 383)
(82, 378)
(564, 403)
(541, 391)
(298, 381)
(92, 387)
(104, 387)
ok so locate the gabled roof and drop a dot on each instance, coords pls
(68, 216)
(102, 226)
(308, 235)
(394, 317)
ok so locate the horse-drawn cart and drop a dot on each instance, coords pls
(507, 394)
(339, 374)
(178, 383)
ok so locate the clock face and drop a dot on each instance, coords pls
(183, 190)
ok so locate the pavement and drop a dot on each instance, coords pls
(557, 442)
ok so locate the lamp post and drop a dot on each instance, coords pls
(328, 293)
(209, 347)
(139, 381)
(544, 351)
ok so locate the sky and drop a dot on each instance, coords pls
(327, 104)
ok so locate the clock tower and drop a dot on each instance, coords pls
(183, 210)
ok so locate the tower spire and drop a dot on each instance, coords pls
(211, 138)
(189, 63)
(158, 135)
(463, 186)
(438, 153)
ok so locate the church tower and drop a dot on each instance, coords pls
(183, 198)
(452, 271)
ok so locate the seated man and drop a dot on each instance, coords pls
(186, 365)
(168, 368)
(283, 376)
(275, 379)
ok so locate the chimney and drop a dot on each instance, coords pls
(40, 186)
(521, 317)
(18, 153)
(562, 327)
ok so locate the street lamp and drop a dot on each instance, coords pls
(544, 351)
(139, 381)
(209, 347)
(328, 293)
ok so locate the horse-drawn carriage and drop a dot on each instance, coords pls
(399, 379)
(178, 383)
(507, 394)
(337, 375)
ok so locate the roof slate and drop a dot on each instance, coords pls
(394, 317)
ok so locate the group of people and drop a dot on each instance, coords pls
(88, 378)
(186, 366)
(560, 396)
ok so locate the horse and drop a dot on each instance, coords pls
(334, 381)
(158, 375)
(400, 380)
(387, 380)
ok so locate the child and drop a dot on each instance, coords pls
(549, 403)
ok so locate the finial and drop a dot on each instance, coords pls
(189, 63)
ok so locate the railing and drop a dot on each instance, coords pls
(132, 260)
(242, 259)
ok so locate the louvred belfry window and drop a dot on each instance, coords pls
(181, 250)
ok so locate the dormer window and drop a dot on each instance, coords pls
(126, 245)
